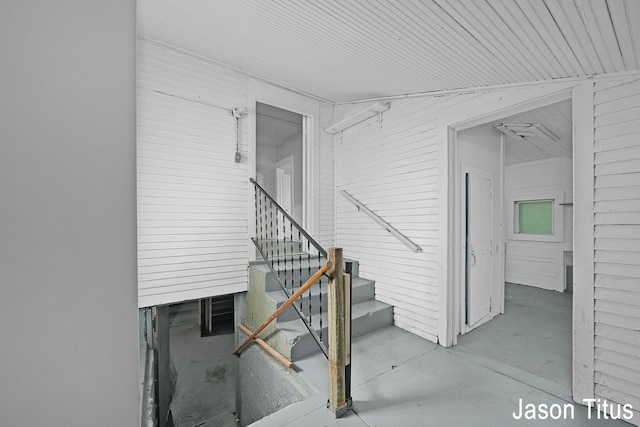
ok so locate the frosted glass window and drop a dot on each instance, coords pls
(534, 217)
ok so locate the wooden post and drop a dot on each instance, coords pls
(336, 326)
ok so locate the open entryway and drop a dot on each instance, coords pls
(514, 242)
(279, 156)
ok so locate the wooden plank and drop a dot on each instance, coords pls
(617, 320)
(617, 143)
(430, 30)
(615, 371)
(547, 27)
(619, 283)
(148, 298)
(620, 167)
(336, 331)
(609, 194)
(617, 308)
(618, 218)
(622, 347)
(316, 276)
(583, 297)
(618, 232)
(618, 92)
(613, 395)
(619, 129)
(617, 358)
(607, 38)
(195, 281)
(618, 117)
(620, 334)
(620, 385)
(633, 16)
(623, 102)
(273, 352)
(567, 17)
(623, 297)
(618, 270)
(514, 47)
(520, 24)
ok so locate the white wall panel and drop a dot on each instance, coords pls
(395, 167)
(392, 171)
(535, 263)
(617, 233)
(326, 185)
(192, 196)
(193, 203)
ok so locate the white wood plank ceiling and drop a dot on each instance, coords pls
(557, 119)
(345, 50)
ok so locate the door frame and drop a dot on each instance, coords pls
(464, 168)
(454, 283)
(309, 108)
(582, 96)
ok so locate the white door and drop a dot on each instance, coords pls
(479, 223)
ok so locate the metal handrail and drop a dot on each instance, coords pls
(308, 325)
(293, 221)
(388, 227)
(270, 261)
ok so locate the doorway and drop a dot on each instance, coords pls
(479, 241)
(279, 157)
(527, 160)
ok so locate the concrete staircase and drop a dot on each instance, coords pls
(288, 334)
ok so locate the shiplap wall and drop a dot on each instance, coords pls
(529, 262)
(193, 233)
(326, 186)
(617, 243)
(192, 196)
(394, 170)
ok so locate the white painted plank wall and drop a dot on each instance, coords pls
(393, 172)
(617, 243)
(532, 263)
(192, 196)
(326, 186)
(193, 233)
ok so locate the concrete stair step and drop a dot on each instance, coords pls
(297, 272)
(367, 316)
(279, 247)
(361, 290)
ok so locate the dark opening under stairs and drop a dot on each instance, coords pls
(288, 334)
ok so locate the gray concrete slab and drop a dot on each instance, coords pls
(205, 378)
(534, 333)
(400, 379)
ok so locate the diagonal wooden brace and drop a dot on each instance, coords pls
(280, 358)
(284, 306)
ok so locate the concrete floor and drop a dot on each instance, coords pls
(402, 380)
(533, 335)
(205, 373)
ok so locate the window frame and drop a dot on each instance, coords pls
(557, 218)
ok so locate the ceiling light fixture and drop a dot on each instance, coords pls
(519, 131)
(377, 108)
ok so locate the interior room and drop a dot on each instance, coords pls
(534, 331)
